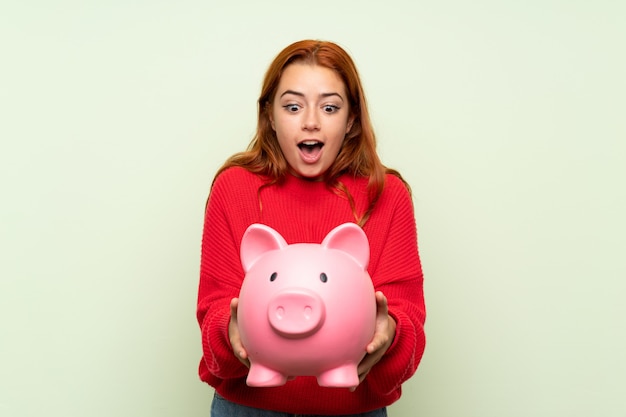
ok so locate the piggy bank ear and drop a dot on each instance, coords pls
(257, 240)
(350, 239)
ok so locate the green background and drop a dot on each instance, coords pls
(507, 118)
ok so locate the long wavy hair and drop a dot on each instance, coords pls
(357, 157)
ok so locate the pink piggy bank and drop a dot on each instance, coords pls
(306, 308)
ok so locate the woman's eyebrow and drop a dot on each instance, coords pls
(322, 95)
(299, 94)
(295, 93)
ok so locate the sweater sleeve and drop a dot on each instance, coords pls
(220, 280)
(399, 276)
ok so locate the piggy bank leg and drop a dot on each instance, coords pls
(343, 376)
(262, 376)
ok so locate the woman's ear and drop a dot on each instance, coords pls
(350, 123)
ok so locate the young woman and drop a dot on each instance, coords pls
(311, 166)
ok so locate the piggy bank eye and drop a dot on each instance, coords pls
(323, 277)
(273, 277)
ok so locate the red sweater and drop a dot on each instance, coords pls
(305, 211)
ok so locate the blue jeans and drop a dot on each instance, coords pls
(221, 407)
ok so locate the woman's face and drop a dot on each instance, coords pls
(311, 116)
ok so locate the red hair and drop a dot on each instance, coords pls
(357, 157)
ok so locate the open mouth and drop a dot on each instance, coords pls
(310, 147)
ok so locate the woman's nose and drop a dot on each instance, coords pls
(311, 120)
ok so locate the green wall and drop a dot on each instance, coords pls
(506, 117)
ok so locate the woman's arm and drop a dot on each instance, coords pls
(399, 277)
(220, 280)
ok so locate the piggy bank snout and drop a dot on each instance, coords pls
(296, 313)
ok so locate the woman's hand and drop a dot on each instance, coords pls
(233, 334)
(383, 337)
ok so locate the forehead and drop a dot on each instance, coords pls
(308, 78)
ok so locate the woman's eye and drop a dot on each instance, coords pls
(292, 108)
(330, 108)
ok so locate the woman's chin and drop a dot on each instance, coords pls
(308, 173)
